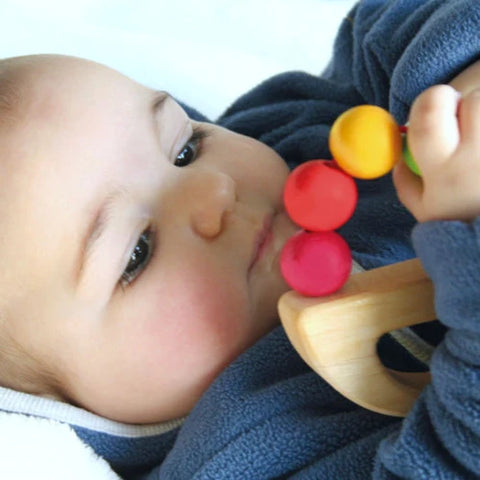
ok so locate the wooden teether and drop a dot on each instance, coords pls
(337, 335)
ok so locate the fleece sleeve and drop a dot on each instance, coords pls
(440, 438)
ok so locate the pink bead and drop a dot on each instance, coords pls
(316, 263)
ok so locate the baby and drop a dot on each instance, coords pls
(140, 248)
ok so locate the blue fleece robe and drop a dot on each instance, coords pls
(268, 415)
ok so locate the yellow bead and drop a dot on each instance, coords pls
(365, 141)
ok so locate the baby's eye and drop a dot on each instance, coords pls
(191, 149)
(139, 257)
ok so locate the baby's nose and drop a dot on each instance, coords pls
(216, 198)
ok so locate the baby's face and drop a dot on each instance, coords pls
(139, 248)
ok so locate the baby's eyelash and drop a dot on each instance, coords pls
(139, 257)
(199, 133)
(193, 148)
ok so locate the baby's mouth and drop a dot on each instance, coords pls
(262, 240)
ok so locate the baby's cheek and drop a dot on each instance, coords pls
(201, 325)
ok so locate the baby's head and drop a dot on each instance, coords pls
(139, 248)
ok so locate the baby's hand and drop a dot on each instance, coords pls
(444, 139)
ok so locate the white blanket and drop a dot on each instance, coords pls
(33, 448)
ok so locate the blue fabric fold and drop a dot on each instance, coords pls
(268, 415)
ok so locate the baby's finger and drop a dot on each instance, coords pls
(433, 133)
(409, 188)
(469, 119)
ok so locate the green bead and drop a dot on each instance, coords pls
(408, 158)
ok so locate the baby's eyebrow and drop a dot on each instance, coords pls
(158, 102)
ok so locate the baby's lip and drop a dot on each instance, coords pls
(262, 239)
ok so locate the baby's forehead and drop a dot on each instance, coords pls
(42, 97)
(22, 82)
(48, 90)
(11, 87)
(41, 65)
(50, 76)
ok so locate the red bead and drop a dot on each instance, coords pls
(319, 196)
(316, 263)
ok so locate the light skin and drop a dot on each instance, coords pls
(140, 249)
(444, 138)
(134, 338)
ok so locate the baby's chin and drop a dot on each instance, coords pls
(265, 313)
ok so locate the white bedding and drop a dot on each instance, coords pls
(205, 52)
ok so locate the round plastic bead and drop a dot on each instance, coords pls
(365, 141)
(318, 196)
(409, 160)
(316, 263)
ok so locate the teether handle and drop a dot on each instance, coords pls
(337, 335)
